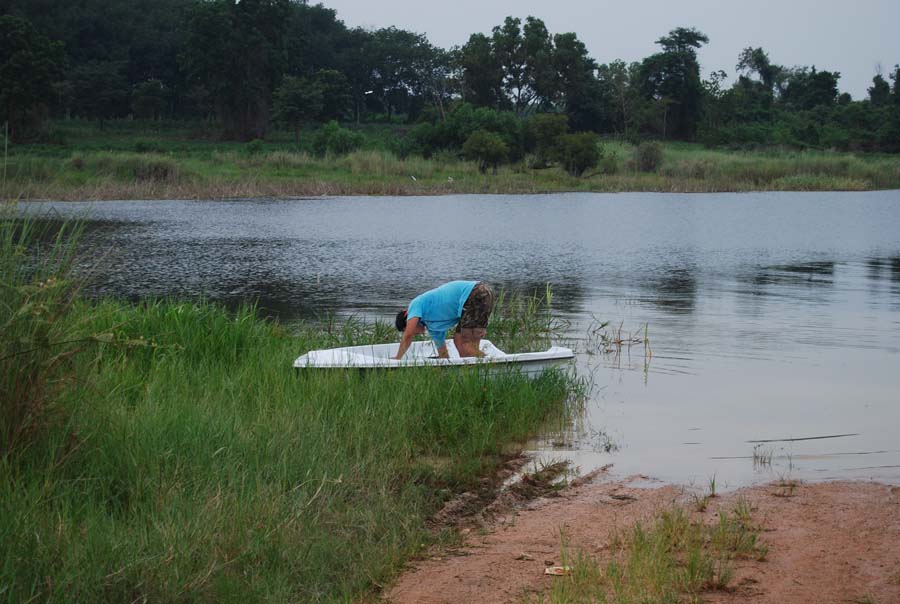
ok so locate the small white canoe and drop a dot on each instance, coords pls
(420, 354)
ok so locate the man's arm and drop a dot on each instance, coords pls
(409, 333)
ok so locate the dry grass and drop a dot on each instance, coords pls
(193, 174)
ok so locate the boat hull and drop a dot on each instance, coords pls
(423, 354)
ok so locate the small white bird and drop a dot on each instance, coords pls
(449, 179)
(413, 177)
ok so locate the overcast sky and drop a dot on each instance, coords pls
(852, 37)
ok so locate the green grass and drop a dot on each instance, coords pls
(143, 160)
(172, 454)
(674, 559)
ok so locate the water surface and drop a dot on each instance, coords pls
(774, 318)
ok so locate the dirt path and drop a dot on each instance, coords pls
(833, 542)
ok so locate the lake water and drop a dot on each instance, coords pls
(774, 318)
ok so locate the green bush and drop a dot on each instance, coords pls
(148, 147)
(648, 156)
(486, 148)
(609, 164)
(578, 152)
(331, 139)
(254, 147)
(546, 130)
(452, 132)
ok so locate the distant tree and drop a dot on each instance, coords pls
(508, 47)
(672, 79)
(755, 60)
(315, 39)
(438, 79)
(398, 58)
(357, 63)
(617, 78)
(481, 73)
(578, 88)
(895, 89)
(547, 129)
(30, 64)
(142, 38)
(99, 90)
(148, 99)
(525, 58)
(806, 88)
(336, 94)
(236, 50)
(715, 103)
(298, 100)
(542, 64)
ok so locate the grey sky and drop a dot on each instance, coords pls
(848, 36)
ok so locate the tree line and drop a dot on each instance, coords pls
(248, 64)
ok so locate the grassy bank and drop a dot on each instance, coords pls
(174, 161)
(167, 452)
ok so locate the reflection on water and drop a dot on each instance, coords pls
(773, 318)
(675, 289)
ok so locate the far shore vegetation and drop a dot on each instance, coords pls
(172, 160)
(282, 98)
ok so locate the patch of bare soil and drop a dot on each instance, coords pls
(828, 543)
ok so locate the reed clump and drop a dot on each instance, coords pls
(525, 322)
(185, 460)
(144, 167)
(673, 559)
(36, 294)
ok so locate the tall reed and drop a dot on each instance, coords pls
(36, 294)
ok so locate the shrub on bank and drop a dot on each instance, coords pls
(578, 152)
(648, 156)
(451, 133)
(331, 139)
(486, 149)
(546, 130)
(145, 167)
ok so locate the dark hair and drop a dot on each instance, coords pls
(400, 321)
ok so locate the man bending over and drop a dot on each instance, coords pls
(464, 304)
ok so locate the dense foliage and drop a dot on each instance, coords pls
(247, 64)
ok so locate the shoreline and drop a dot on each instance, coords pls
(830, 541)
(328, 190)
(188, 169)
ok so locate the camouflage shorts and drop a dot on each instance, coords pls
(477, 309)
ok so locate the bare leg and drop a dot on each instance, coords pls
(468, 342)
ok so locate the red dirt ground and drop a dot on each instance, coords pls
(828, 543)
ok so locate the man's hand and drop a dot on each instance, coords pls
(412, 327)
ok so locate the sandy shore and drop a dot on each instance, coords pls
(831, 542)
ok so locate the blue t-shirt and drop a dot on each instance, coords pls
(440, 309)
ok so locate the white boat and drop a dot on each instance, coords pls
(424, 354)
